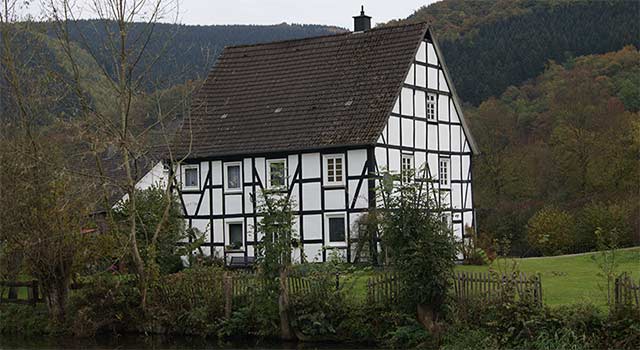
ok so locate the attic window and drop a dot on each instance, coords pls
(444, 172)
(431, 106)
(224, 116)
(278, 110)
(348, 103)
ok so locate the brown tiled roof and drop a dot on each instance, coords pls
(300, 94)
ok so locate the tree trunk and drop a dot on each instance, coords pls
(57, 301)
(283, 307)
(427, 316)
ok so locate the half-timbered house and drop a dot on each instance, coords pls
(318, 119)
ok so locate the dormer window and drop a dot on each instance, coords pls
(190, 177)
(431, 106)
(277, 174)
(233, 177)
(334, 170)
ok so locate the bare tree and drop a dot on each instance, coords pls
(44, 208)
(113, 124)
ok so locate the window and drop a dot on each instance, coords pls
(277, 173)
(407, 167)
(235, 236)
(431, 106)
(190, 177)
(446, 220)
(233, 177)
(334, 173)
(444, 172)
(337, 229)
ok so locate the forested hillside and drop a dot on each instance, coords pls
(563, 148)
(183, 52)
(491, 45)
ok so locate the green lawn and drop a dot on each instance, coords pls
(568, 279)
(565, 279)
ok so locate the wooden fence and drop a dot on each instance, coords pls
(9, 292)
(383, 288)
(626, 291)
(488, 286)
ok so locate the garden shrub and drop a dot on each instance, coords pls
(622, 328)
(108, 303)
(189, 302)
(25, 320)
(607, 218)
(550, 231)
(461, 338)
(317, 311)
(150, 207)
(517, 324)
(421, 247)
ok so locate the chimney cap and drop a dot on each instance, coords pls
(362, 13)
(361, 23)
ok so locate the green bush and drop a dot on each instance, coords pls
(24, 320)
(150, 210)
(107, 303)
(518, 324)
(462, 338)
(188, 302)
(607, 218)
(550, 231)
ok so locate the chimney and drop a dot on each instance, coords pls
(361, 23)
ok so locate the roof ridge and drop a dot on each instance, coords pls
(376, 29)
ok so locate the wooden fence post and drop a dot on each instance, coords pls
(33, 294)
(227, 286)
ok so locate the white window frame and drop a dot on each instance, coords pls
(328, 233)
(430, 103)
(407, 174)
(227, 238)
(228, 189)
(325, 169)
(447, 219)
(286, 175)
(184, 169)
(444, 181)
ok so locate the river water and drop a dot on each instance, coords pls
(126, 342)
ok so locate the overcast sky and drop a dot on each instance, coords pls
(328, 12)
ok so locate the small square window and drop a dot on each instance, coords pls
(233, 176)
(431, 106)
(277, 177)
(334, 173)
(337, 232)
(190, 177)
(444, 173)
(235, 235)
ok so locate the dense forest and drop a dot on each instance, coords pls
(565, 146)
(491, 45)
(182, 52)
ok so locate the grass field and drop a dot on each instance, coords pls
(572, 278)
(566, 279)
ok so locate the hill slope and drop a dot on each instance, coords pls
(184, 52)
(491, 45)
(570, 139)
